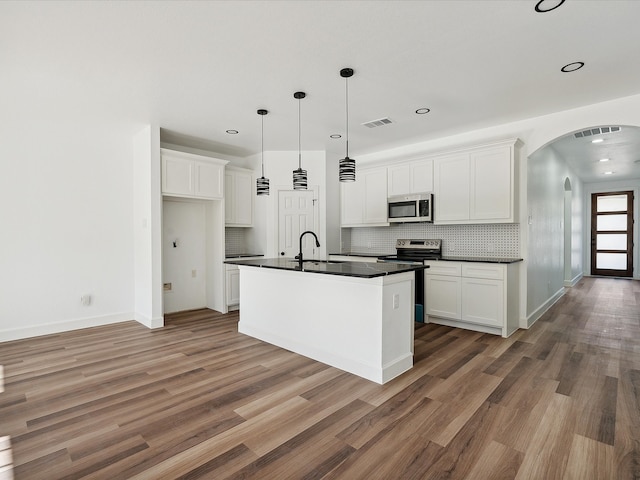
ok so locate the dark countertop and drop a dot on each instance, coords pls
(345, 269)
(242, 255)
(481, 259)
(363, 254)
(444, 259)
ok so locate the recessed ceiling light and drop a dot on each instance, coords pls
(597, 140)
(422, 111)
(232, 132)
(335, 135)
(572, 67)
(608, 173)
(544, 6)
(603, 160)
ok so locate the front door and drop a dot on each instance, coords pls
(296, 214)
(612, 234)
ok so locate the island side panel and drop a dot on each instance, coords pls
(338, 320)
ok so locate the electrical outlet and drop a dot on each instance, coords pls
(396, 301)
(85, 299)
(194, 273)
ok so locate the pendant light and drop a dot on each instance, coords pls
(299, 175)
(347, 166)
(262, 183)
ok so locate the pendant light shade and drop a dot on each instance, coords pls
(262, 184)
(347, 166)
(299, 175)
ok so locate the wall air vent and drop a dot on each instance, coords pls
(596, 131)
(378, 123)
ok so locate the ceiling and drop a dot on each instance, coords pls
(198, 69)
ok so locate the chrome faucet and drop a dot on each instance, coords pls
(299, 257)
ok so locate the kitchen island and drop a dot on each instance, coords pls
(355, 316)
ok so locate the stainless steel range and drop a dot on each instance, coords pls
(416, 251)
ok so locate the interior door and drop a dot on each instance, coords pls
(296, 214)
(612, 234)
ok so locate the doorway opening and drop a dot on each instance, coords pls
(612, 234)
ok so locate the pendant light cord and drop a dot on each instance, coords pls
(262, 145)
(299, 144)
(346, 89)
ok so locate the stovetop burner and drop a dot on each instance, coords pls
(419, 249)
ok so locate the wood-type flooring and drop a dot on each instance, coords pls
(196, 399)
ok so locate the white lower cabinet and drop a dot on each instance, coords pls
(445, 298)
(233, 285)
(473, 295)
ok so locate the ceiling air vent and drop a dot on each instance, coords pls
(378, 123)
(596, 131)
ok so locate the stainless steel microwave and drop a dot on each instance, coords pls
(410, 208)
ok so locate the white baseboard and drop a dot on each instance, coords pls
(65, 326)
(157, 322)
(531, 319)
(573, 281)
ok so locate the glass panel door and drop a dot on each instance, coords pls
(612, 234)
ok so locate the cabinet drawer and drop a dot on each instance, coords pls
(453, 269)
(483, 270)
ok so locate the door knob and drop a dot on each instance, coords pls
(282, 253)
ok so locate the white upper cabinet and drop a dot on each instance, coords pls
(476, 186)
(411, 177)
(193, 176)
(239, 189)
(451, 188)
(492, 184)
(364, 202)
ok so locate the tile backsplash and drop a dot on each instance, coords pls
(488, 240)
(234, 240)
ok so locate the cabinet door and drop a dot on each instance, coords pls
(399, 180)
(491, 185)
(451, 187)
(483, 301)
(351, 203)
(208, 180)
(229, 201)
(233, 287)
(243, 198)
(375, 195)
(177, 176)
(422, 176)
(442, 296)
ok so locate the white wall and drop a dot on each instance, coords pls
(147, 230)
(66, 224)
(547, 172)
(184, 255)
